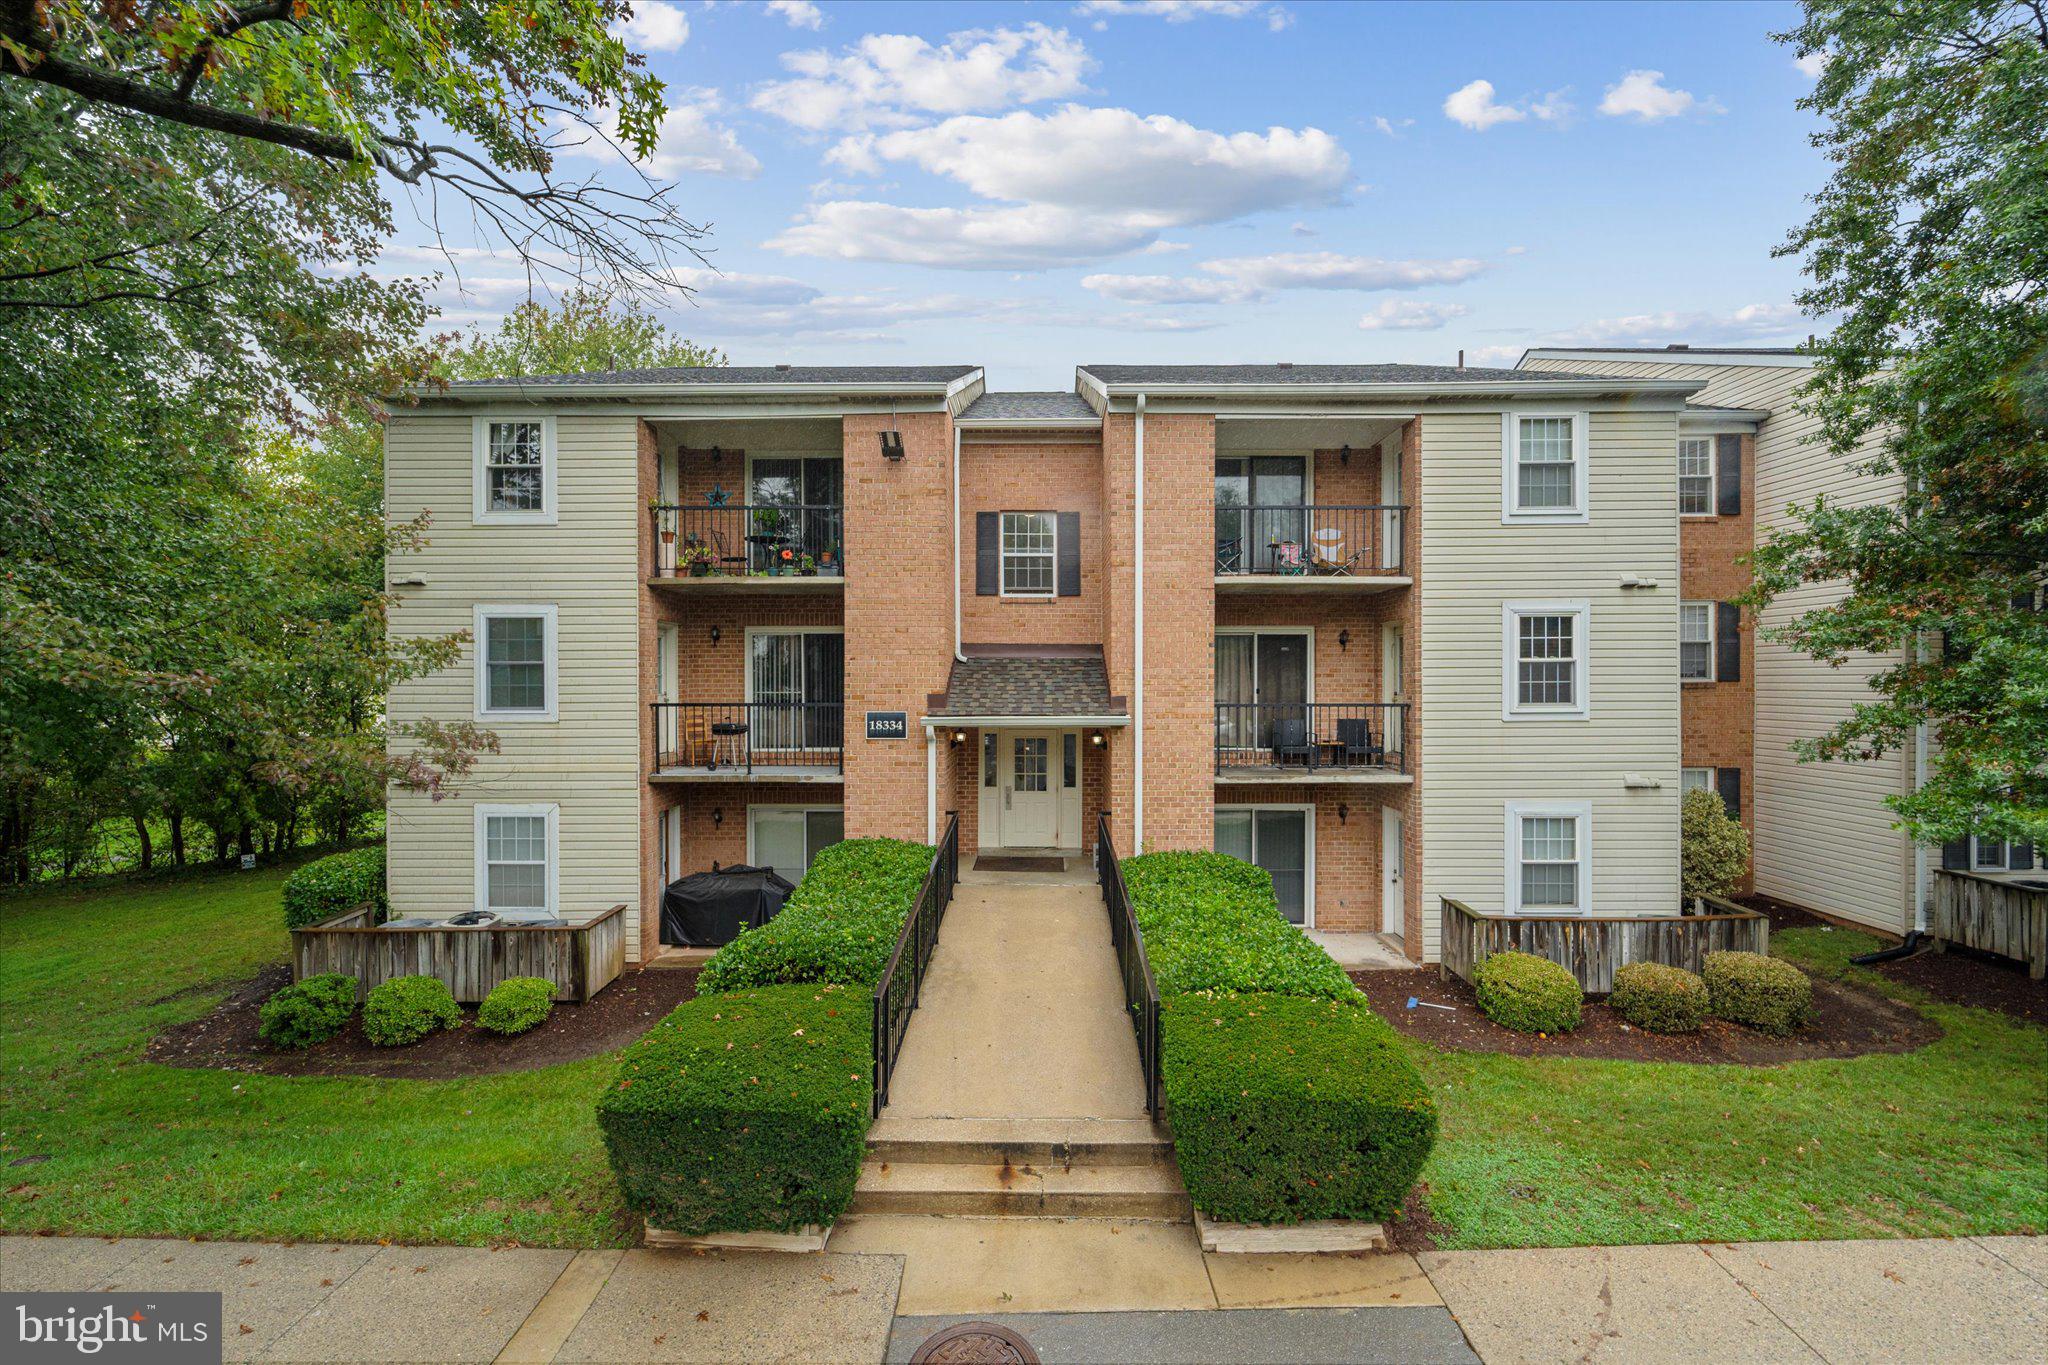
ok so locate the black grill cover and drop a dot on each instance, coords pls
(707, 909)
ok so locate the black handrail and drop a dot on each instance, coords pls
(1310, 539)
(1313, 736)
(897, 993)
(1141, 993)
(738, 736)
(748, 540)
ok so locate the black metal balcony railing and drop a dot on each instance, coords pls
(1309, 541)
(1312, 736)
(749, 736)
(743, 540)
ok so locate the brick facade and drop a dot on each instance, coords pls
(1717, 719)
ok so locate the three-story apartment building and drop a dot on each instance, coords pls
(1394, 632)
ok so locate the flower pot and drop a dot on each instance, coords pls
(699, 569)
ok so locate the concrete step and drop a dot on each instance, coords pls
(921, 1187)
(1046, 1143)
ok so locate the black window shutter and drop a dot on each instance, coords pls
(1727, 642)
(1729, 780)
(2021, 859)
(988, 567)
(1069, 532)
(1955, 855)
(1728, 474)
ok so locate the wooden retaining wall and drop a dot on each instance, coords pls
(1993, 916)
(1592, 947)
(581, 959)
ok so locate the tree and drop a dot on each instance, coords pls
(1930, 244)
(1713, 847)
(586, 331)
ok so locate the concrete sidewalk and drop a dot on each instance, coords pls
(1979, 1299)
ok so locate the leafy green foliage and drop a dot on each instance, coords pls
(309, 1011)
(516, 1004)
(586, 331)
(1286, 1109)
(744, 1111)
(340, 881)
(405, 1009)
(1210, 922)
(1713, 847)
(1659, 998)
(839, 925)
(1929, 248)
(1528, 993)
(1766, 993)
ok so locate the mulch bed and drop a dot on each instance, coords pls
(1846, 1022)
(226, 1040)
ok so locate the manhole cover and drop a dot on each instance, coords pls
(975, 1343)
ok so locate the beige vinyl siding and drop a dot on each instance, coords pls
(1824, 837)
(1473, 761)
(587, 761)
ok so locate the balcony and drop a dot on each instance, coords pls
(760, 741)
(742, 545)
(1341, 742)
(1310, 547)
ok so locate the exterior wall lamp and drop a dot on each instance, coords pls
(1344, 455)
(959, 738)
(717, 816)
(1343, 812)
(715, 632)
(1095, 739)
(892, 445)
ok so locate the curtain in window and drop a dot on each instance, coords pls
(1237, 726)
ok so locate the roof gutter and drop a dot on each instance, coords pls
(1575, 388)
(940, 722)
(466, 393)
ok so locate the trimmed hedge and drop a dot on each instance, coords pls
(745, 1111)
(1661, 999)
(839, 925)
(1210, 923)
(517, 1004)
(1766, 993)
(1528, 993)
(406, 1009)
(308, 1012)
(1287, 1109)
(330, 885)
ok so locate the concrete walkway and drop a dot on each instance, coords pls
(1023, 1011)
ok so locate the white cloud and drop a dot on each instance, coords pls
(1555, 108)
(724, 287)
(655, 27)
(1756, 322)
(1167, 289)
(1166, 248)
(798, 13)
(1303, 230)
(894, 79)
(1022, 237)
(1811, 64)
(1487, 357)
(1410, 315)
(1172, 11)
(1473, 106)
(1246, 278)
(1391, 127)
(1643, 96)
(691, 141)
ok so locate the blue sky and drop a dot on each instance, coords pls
(1028, 186)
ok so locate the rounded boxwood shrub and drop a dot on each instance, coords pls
(330, 885)
(517, 1004)
(1286, 1109)
(1528, 993)
(744, 1112)
(1210, 922)
(1661, 999)
(840, 924)
(1766, 993)
(406, 1009)
(307, 1012)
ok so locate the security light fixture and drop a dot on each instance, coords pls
(892, 445)
(1343, 812)
(1344, 638)
(959, 737)
(714, 637)
(717, 455)
(1095, 739)
(1344, 455)
(717, 815)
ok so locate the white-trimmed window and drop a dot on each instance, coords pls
(517, 863)
(1695, 779)
(786, 838)
(515, 469)
(1549, 865)
(1544, 657)
(1696, 476)
(1989, 855)
(1030, 554)
(1543, 467)
(1695, 642)
(515, 662)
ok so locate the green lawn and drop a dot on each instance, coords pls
(1952, 1139)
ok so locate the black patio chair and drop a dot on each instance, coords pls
(1356, 746)
(1291, 742)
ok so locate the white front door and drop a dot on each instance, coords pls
(1031, 799)
(1393, 871)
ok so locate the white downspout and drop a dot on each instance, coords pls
(931, 786)
(1919, 781)
(1138, 672)
(956, 544)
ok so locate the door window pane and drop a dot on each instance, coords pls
(1070, 764)
(779, 842)
(822, 829)
(1234, 834)
(1031, 758)
(1281, 847)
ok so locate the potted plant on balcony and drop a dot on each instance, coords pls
(784, 562)
(667, 530)
(806, 566)
(828, 560)
(695, 560)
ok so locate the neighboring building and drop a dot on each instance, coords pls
(1395, 632)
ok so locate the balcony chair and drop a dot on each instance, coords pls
(1356, 746)
(1230, 556)
(1291, 743)
(1326, 553)
(723, 559)
(696, 740)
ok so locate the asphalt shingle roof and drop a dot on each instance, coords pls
(1030, 407)
(1319, 374)
(713, 375)
(1029, 685)
(1681, 350)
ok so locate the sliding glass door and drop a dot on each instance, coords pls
(1247, 540)
(790, 675)
(1275, 839)
(798, 501)
(1260, 677)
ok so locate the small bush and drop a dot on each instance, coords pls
(1767, 994)
(745, 1111)
(1210, 922)
(1287, 1109)
(839, 925)
(517, 1004)
(406, 1009)
(308, 1012)
(1528, 993)
(1713, 847)
(1659, 998)
(330, 885)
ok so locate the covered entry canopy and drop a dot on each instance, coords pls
(1028, 684)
